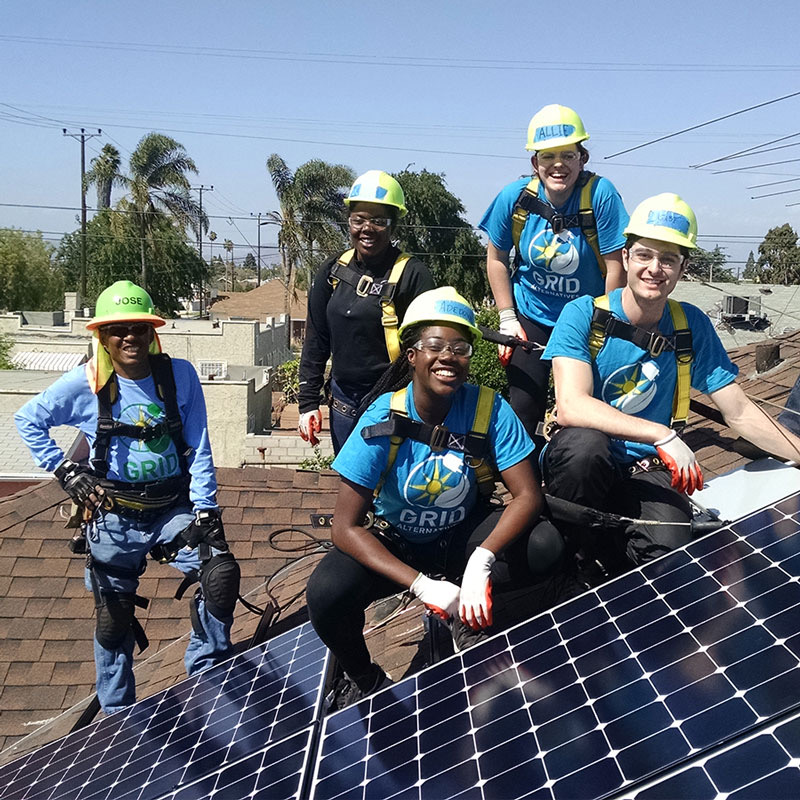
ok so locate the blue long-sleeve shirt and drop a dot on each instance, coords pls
(70, 401)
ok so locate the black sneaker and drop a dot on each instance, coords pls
(346, 692)
(464, 637)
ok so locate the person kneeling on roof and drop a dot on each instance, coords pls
(150, 485)
(623, 366)
(425, 454)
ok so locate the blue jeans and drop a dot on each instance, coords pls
(124, 543)
(342, 424)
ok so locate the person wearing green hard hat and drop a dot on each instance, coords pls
(624, 365)
(421, 466)
(565, 225)
(354, 305)
(148, 487)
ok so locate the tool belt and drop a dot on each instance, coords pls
(146, 500)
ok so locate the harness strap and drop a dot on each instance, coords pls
(367, 286)
(604, 324)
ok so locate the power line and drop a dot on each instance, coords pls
(755, 166)
(741, 153)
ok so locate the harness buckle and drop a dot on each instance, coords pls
(557, 222)
(658, 342)
(439, 438)
(364, 283)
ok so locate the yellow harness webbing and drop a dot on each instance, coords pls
(389, 318)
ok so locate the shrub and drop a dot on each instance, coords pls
(485, 367)
(287, 380)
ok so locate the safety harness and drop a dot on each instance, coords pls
(604, 324)
(474, 444)
(529, 202)
(367, 286)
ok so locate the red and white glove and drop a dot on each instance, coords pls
(309, 425)
(679, 457)
(475, 602)
(440, 597)
(509, 326)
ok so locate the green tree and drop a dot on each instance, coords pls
(311, 216)
(750, 272)
(113, 252)
(485, 367)
(779, 256)
(28, 281)
(435, 229)
(158, 185)
(709, 265)
(105, 174)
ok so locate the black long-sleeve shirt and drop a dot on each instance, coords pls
(348, 328)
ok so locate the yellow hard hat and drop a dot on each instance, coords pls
(555, 126)
(377, 186)
(124, 301)
(665, 218)
(444, 306)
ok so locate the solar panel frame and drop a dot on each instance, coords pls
(625, 681)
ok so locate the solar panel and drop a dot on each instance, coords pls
(599, 694)
(241, 710)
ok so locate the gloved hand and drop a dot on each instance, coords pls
(441, 597)
(309, 425)
(79, 483)
(206, 527)
(475, 602)
(679, 457)
(509, 326)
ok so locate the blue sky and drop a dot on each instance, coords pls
(445, 86)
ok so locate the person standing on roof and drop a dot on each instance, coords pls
(425, 455)
(623, 366)
(565, 226)
(149, 486)
(354, 306)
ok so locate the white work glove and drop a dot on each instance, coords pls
(309, 425)
(440, 597)
(679, 457)
(509, 326)
(475, 602)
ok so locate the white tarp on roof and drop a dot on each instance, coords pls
(53, 362)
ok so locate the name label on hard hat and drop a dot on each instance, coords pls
(128, 301)
(451, 307)
(553, 131)
(669, 219)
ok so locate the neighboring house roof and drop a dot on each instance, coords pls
(55, 362)
(268, 300)
(46, 614)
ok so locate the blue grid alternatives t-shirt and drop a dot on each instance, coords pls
(629, 378)
(556, 268)
(427, 492)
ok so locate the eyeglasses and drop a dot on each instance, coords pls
(548, 159)
(359, 222)
(460, 349)
(645, 258)
(136, 329)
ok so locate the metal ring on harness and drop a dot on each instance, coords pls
(363, 286)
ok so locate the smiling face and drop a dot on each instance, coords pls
(369, 238)
(653, 267)
(440, 373)
(558, 170)
(128, 345)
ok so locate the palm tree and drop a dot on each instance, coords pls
(228, 245)
(105, 174)
(311, 216)
(158, 185)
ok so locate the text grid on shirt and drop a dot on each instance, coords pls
(177, 736)
(602, 692)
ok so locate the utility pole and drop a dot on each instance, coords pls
(260, 223)
(201, 188)
(82, 137)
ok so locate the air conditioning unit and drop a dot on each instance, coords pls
(212, 370)
(736, 305)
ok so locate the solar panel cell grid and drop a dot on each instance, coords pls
(617, 685)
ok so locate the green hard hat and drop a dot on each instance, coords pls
(124, 301)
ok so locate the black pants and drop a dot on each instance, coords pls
(341, 588)
(578, 466)
(528, 379)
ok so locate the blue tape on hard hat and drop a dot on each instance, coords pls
(669, 219)
(546, 132)
(380, 192)
(454, 308)
(356, 190)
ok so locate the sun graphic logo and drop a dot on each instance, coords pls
(554, 252)
(438, 481)
(631, 388)
(146, 416)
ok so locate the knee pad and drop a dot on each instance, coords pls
(219, 580)
(546, 548)
(115, 616)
